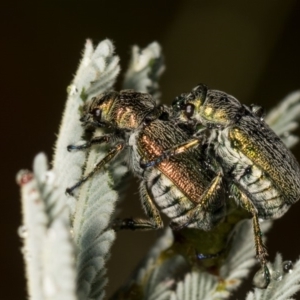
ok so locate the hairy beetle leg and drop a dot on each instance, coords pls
(209, 198)
(171, 152)
(154, 221)
(111, 154)
(261, 251)
(94, 141)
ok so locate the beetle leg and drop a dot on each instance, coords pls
(154, 221)
(260, 248)
(212, 197)
(109, 156)
(93, 141)
(170, 152)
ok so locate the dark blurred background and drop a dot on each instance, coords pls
(250, 49)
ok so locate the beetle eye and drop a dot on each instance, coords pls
(96, 112)
(189, 110)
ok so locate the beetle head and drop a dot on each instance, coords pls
(97, 110)
(188, 105)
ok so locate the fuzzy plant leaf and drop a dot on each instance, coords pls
(97, 72)
(93, 206)
(197, 286)
(48, 247)
(145, 69)
(154, 277)
(90, 227)
(284, 118)
(59, 274)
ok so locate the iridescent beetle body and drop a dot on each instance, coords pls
(180, 183)
(183, 188)
(251, 155)
(262, 174)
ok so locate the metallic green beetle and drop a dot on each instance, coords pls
(263, 175)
